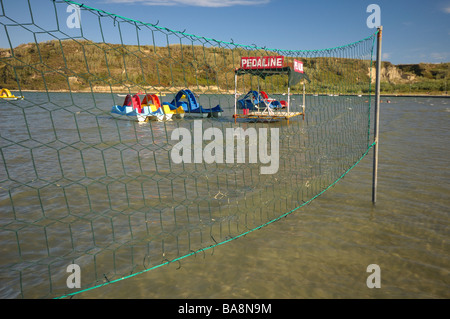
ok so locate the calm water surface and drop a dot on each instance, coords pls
(320, 251)
(323, 249)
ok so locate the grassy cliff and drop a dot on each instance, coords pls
(422, 78)
(87, 66)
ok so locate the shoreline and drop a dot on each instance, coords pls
(232, 92)
(415, 95)
(119, 90)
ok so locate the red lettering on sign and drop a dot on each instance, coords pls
(264, 62)
(298, 66)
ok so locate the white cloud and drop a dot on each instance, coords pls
(439, 56)
(197, 3)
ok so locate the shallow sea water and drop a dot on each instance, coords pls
(323, 249)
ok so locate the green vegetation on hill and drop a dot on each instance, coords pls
(85, 66)
(422, 78)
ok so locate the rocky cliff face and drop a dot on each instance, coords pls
(411, 73)
(392, 74)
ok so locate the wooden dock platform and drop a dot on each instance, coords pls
(273, 115)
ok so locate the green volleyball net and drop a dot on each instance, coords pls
(126, 146)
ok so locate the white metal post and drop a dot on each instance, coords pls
(377, 117)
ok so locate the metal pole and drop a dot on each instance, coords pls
(289, 98)
(304, 100)
(377, 117)
(235, 96)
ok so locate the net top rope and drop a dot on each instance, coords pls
(285, 51)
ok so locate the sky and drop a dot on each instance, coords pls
(413, 31)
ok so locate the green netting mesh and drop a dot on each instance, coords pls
(119, 195)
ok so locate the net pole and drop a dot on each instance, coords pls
(377, 117)
(304, 99)
(235, 96)
(289, 99)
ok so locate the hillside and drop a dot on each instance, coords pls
(86, 66)
(423, 78)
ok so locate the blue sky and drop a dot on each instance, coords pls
(414, 31)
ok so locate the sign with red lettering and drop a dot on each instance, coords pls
(298, 66)
(262, 62)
